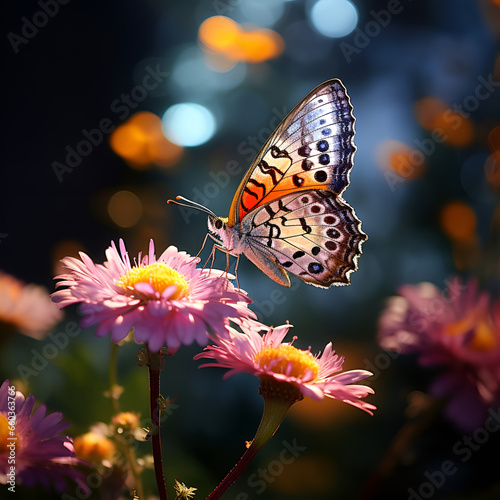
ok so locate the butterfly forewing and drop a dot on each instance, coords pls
(313, 234)
(311, 149)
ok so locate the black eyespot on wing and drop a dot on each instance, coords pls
(324, 159)
(332, 233)
(322, 146)
(315, 268)
(320, 176)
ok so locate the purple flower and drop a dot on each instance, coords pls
(458, 331)
(32, 448)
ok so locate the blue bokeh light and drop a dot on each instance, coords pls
(188, 124)
(334, 18)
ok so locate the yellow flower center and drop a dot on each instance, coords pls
(483, 338)
(4, 432)
(301, 361)
(158, 275)
(5, 435)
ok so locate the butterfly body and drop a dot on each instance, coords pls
(288, 214)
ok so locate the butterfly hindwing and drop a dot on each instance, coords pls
(311, 149)
(313, 234)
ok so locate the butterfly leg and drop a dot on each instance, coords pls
(203, 245)
(223, 249)
(227, 259)
(210, 257)
(236, 270)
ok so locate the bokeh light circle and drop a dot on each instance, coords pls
(125, 208)
(334, 18)
(458, 221)
(188, 124)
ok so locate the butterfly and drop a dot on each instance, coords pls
(288, 214)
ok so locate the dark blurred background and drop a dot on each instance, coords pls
(114, 107)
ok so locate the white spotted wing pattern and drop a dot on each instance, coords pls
(288, 214)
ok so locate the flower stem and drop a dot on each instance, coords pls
(273, 414)
(154, 406)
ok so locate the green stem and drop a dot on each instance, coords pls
(273, 414)
(154, 406)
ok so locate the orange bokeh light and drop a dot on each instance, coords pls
(129, 142)
(457, 129)
(409, 163)
(260, 45)
(427, 111)
(125, 208)
(445, 124)
(224, 36)
(219, 32)
(458, 221)
(140, 141)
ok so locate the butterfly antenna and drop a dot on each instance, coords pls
(191, 204)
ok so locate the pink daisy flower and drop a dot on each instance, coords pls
(26, 308)
(32, 448)
(457, 330)
(168, 301)
(279, 365)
